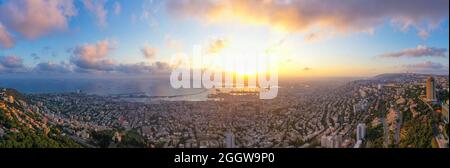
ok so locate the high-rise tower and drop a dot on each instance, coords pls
(431, 89)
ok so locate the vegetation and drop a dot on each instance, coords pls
(419, 134)
(130, 139)
(103, 138)
(25, 137)
(443, 95)
(375, 135)
(297, 143)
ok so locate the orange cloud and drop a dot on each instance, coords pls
(6, 40)
(149, 52)
(34, 18)
(94, 56)
(304, 15)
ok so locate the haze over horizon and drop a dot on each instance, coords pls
(312, 39)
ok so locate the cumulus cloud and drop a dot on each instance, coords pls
(53, 67)
(90, 58)
(149, 52)
(6, 40)
(419, 51)
(142, 68)
(97, 7)
(11, 61)
(34, 18)
(98, 65)
(94, 56)
(217, 45)
(427, 67)
(11, 64)
(303, 15)
(161, 67)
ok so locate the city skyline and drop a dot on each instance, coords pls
(139, 38)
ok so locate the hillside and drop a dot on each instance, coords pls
(22, 126)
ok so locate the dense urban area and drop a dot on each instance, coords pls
(387, 111)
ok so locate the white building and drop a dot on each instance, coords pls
(380, 86)
(360, 132)
(230, 140)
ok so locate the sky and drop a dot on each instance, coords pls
(311, 38)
